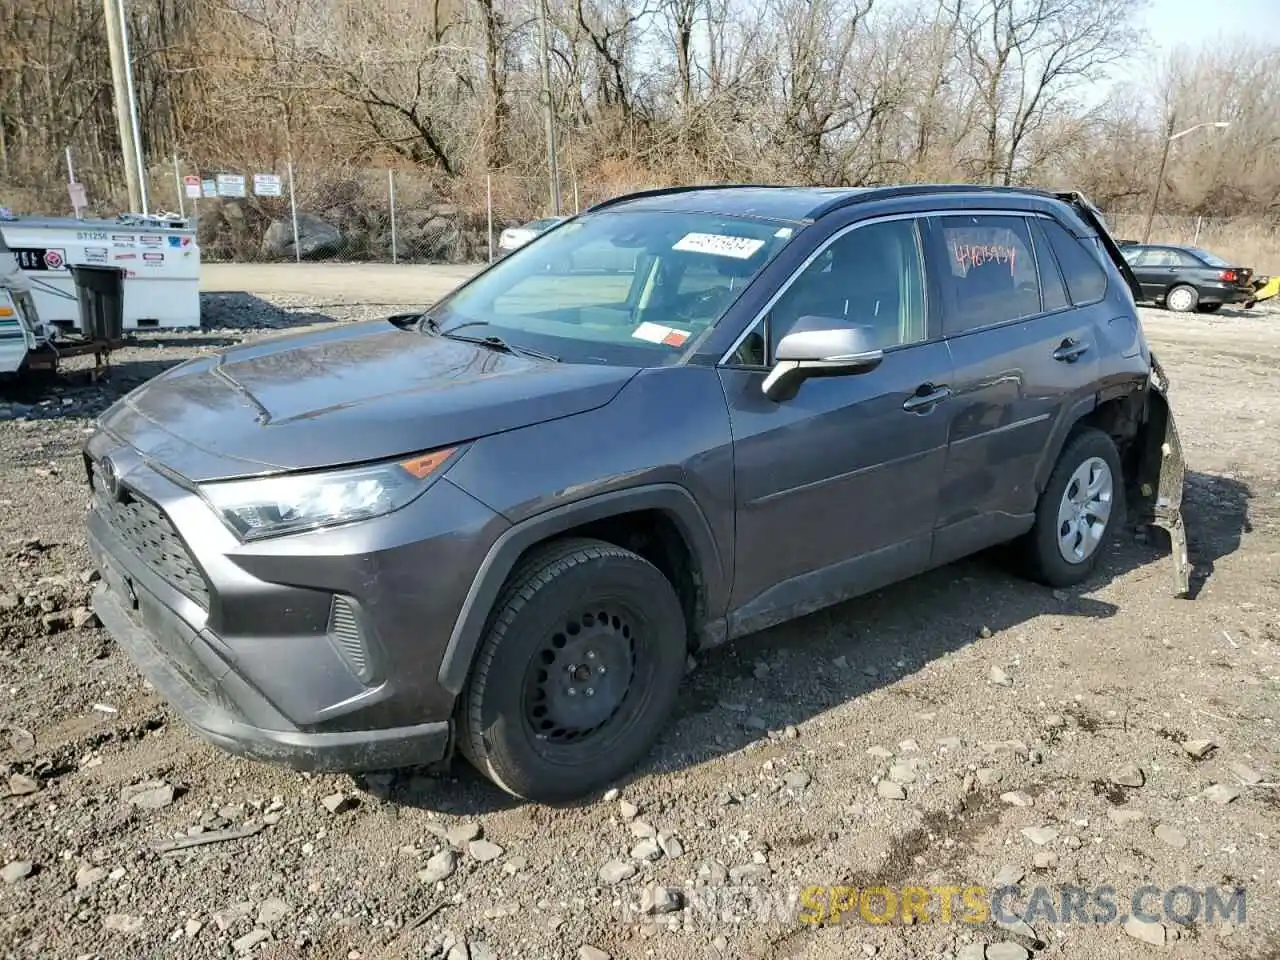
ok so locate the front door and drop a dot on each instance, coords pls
(836, 489)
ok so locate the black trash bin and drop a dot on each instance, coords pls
(100, 291)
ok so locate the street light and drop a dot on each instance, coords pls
(1170, 136)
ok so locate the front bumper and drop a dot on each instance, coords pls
(319, 651)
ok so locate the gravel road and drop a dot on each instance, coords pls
(963, 728)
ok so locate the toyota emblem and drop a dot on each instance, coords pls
(110, 478)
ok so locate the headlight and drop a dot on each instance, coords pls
(272, 506)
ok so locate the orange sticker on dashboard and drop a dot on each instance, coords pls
(675, 338)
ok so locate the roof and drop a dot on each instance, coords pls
(796, 204)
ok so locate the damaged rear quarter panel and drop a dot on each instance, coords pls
(1161, 473)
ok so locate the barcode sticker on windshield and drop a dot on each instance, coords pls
(720, 245)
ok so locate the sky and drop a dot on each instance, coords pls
(1194, 22)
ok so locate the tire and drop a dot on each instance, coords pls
(1045, 560)
(524, 719)
(1182, 299)
(1208, 307)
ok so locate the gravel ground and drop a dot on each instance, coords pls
(963, 728)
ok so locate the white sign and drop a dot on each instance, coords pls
(191, 186)
(266, 184)
(740, 248)
(230, 184)
(210, 188)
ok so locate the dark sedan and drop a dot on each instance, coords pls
(1187, 278)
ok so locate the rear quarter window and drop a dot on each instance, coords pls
(989, 274)
(1085, 276)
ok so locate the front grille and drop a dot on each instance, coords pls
(145, 530)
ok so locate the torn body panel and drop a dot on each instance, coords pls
(1161, 471)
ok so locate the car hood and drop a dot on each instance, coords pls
(350, 394)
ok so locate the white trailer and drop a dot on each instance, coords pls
(161, 259)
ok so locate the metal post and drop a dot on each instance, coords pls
(488, 206)
(133, 107)
(391, 193)
(177, 180)
(71, 178)
(119, 85)
(548, 107)
(293, 212)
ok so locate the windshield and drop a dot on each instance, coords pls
(1209, 258)
(625, 287)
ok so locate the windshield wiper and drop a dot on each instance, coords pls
(432, 325)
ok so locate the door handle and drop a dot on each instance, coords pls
(925, 398)
(1069, 351)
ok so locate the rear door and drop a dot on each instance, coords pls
(1021, 352)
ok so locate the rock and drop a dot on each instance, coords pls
(192, 927)
(484, 850)
(227, 918)
(902, 773)
(989, 776)
(439, 867)
(1124, 817)
(628, 810)
(1008, 875)
(1007, 951)
(1071, 843)
(616, 871)
(1017, 798)
(670, 844)
(985, 633)
(89, 876)
(1129, 775)
(870, 949)
(1016, 926)
(21, 786)
(272, 911)
(796, 779)
(588, 952)
(972, 951)
(122, 923)
(1152, 933)
(315, 238)
(880, 752)
(148, 795)
(1221, 793)
(658, 899)
(908, 746)
(642, 830)
(249, 941)
(338, 802)
(949, 743)
(840, 663)
(1198, 749)
(514, 865)
(888, 790)
(1247, 775)
(17, 870)
(1170, 835)
(84, 617)
(998, 677)
(56, 621)
(750, 873)
(646, 850)
(480, 950)
(1040, 835)
(463, 834)
(610, 795)
(1044, 860)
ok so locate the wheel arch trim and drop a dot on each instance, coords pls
(501, 558)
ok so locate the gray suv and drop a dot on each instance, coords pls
(677, 418)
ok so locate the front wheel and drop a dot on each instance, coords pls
(1078, 511)
(577, 674)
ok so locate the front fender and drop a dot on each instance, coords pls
(1160, 474)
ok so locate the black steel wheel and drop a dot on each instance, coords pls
(577, 673)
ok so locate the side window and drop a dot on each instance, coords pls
(1053, 292)
(990, 271)
(1187, 260)
(872, 276)
(1085, 276)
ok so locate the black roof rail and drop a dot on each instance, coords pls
(867, 194)
(669, 191)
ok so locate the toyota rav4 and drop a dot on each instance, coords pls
(502, 524)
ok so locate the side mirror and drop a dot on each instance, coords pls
(404, 320)
(820, 347)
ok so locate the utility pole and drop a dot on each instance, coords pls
(548, 108)
(120, 84)
(1155, 192)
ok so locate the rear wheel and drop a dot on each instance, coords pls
(577, 674)
(1078, 511)
(1182, 299)
(1209, 307)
